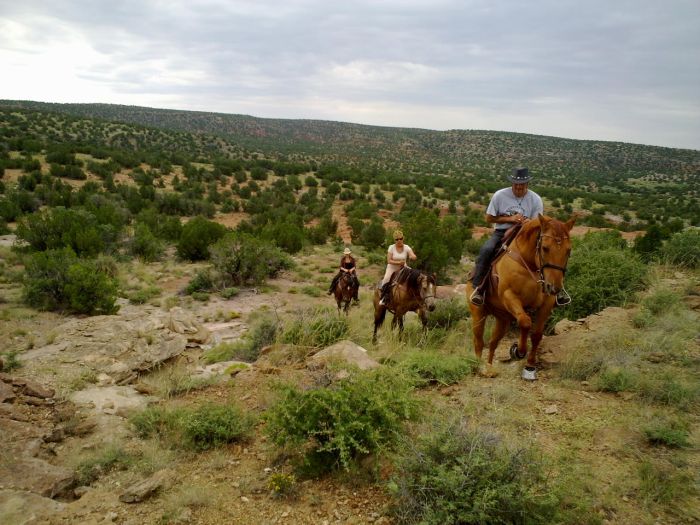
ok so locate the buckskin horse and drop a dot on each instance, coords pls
(523, 283)
(411, 291)
(344, 291)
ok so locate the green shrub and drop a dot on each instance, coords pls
(316, 328)
(581, 365)
(432, 367)
(263, 332)
(201, 282)
(89, 291)
(599, 277)
(614, 379)
(668, 389)
(10, 361)
(661, 483)
(453, 475)
(683, 249)
(63, 228)
(669, 432)
(111, 458)
(334, 426)
(146, 245)
(200, 296)
(448, 312)
(661, 301)
(230, 293)
(58, 280)
(196, 238)
(212, 425)
(239, 259)
(311, 291)
(201, 428)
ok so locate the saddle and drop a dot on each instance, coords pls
(490, 280)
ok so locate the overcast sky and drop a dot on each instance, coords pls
(607, 70)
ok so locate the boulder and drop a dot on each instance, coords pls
(20, 507)
(565, 325)
(7, 393)
(36, 475)
(342, 352)
(145, 488)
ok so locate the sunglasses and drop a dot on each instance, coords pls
(399, 239)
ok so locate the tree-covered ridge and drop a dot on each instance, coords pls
(488, 153)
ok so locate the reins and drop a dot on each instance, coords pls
(542, 264)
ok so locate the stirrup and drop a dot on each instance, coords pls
(476, 298)
(563, 298)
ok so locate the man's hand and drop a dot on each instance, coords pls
(518, 218)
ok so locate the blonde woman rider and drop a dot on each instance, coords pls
(397, 256)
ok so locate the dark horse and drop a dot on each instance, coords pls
(524, 281)
(411, 291)
(344, 291)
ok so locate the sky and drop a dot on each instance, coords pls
(620, 70)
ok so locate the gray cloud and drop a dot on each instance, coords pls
(625, 70)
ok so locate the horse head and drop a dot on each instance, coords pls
(553, 250)
(427, 290)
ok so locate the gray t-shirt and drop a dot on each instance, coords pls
(504, 202)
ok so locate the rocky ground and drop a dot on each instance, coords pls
(82, 376)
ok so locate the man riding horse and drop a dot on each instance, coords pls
(508, 207)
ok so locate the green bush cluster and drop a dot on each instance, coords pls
(316, 327)
(602, 272)
(196, 238)
(58, 280)
(682, 249)
(146, 245)
(262, 333)
(448, 312)
(335, 426)
(199, 428)
(453, 474)
(239, 259)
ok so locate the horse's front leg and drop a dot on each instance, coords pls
(515, 307)
(379, 315)
(423, 316)
(538, 329)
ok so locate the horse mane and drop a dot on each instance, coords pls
(530, 227)
(409, 276)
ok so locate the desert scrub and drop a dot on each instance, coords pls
(111, 458)
(453, 474)
(602, 272)
(263, 332)
(10, 361)
(448, 312)
(336, 425)
(682, 249)
(433, 367)
(282, 485)
(58, 280)
(316, 328)
(200, 428)
(665, 484)
(670, 432)
(238, 259)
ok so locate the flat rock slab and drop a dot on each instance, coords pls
(111, 398)
(20, 507)
(35, 475)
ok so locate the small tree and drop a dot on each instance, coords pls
(196, 238)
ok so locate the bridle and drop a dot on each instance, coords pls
(542, 263)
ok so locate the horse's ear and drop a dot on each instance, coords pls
(570, 223)
(543, 219)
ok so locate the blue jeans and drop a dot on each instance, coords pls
(485, 254)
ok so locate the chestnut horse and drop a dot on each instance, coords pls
(523, 282)
(411, 291)
(344, 291)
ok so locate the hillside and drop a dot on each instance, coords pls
(455, 151)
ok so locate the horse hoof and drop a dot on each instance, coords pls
(515, 352)
(529, 373)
